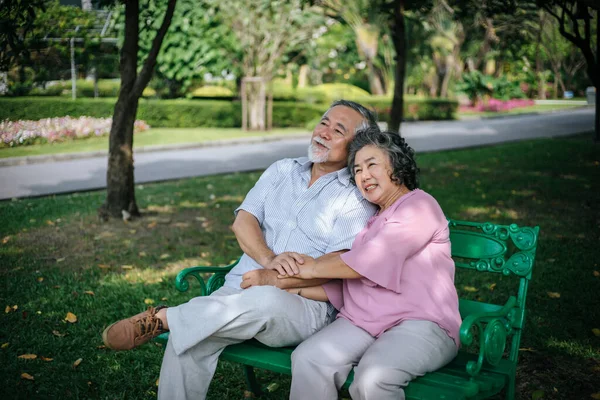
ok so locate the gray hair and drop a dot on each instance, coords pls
(401, 155)
(369, 117)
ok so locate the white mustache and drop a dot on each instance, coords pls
(321, 142)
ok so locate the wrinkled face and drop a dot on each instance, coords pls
(331, 137)
(372, 173)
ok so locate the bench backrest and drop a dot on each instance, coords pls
(499, 249)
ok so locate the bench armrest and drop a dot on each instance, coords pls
(493, 329)
(214, 282)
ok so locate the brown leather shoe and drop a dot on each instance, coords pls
(132, 332)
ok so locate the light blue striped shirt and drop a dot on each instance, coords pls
(315, 220)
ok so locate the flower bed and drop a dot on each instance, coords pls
(51, 130)
(496, 105)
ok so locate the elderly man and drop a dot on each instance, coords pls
(303, 205)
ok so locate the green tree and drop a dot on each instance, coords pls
(266, 30)
(196, 43)
(575, 19)
(367, 20)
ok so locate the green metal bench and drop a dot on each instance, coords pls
(490, 333)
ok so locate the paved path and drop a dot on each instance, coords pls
(90, 173)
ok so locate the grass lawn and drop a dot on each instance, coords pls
(536, 108)
(56, 257)
(152, 137)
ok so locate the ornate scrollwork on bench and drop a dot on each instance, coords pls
(505, 249)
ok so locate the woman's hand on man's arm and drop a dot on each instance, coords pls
(328, 266)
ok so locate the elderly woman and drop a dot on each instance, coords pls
(394, 290)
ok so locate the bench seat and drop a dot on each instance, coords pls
(451, 382)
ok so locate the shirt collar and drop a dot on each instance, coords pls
(343, 175)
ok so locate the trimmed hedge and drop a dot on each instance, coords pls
(415, 108)
(208, 113)
(157, 113)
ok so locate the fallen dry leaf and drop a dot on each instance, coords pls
(492, 286)
(164, 299)
(4, 345)
(8, 309)
(470, 289)
(89, 292)
(104, 235)
(527, 349)
(28, 356)
(148, 301)
(72, 318)
(595, 395)
(596, 332)
(5, 239)
(101, 346)
(40, 279)
(127, 266)
(46, 359)
(596, 274)
(152, 224)
(25, 375)
(50, 222)
(165, 255)
(77, 362)
(157, 381)
(57, 333)
(272, 387)
(142, 254)
(553, 295)
(103, 266)
(59, 260)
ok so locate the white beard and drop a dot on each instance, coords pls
(316, 154)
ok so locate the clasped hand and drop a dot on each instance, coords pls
(287, 263)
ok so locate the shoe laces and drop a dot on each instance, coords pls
(150, 325)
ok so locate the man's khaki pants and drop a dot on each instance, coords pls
(204, 326)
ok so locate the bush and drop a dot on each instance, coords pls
(209, 113)
(157, 113)
(212, 92)
(320, 94)
(415, 108)
(85, 88)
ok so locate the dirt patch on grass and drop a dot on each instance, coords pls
(175, 238)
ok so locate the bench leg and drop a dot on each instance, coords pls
(510, 390)
(251, 381)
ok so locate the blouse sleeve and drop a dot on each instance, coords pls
(381, 258)
(334, 290)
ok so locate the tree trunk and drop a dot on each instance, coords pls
(398, 33)
(119, 178)
(375, 84)
(120, 193)
(446, 81)
(597, 81)
(303, 76)
(256, 106)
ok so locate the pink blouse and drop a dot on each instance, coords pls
(404, 257)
